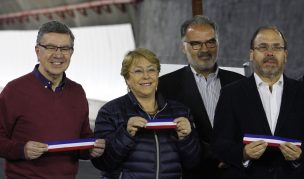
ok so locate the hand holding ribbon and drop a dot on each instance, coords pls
(183, 127)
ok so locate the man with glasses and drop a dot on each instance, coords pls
(259, 121)
(45, 106)
(198, 86)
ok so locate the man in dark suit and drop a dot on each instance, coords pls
(198, 86)
(266, 105)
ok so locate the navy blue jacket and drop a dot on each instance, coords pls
(150, 153)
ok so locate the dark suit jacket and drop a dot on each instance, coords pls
(180, 85)
(240, 111)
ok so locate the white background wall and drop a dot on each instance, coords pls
(95, 64)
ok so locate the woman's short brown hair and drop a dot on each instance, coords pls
(135, 55)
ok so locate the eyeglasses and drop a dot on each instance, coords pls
(53, 49)
(139, 72)
(265, 47)
(196, 45)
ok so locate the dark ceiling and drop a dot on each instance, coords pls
(30, 14)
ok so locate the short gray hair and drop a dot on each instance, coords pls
(54, 26)
(199, 20)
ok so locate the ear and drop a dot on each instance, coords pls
(128, 86)
(72, 52)
(251, 55)
(182, 46)
(37, 50)
(286, 54)
(127, 82)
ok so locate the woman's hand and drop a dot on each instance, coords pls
(183, 127)
(134, 123)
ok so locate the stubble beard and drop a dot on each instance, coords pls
(269, 72)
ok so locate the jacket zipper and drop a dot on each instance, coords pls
(157, 155)
(156, 141)
(157, 144)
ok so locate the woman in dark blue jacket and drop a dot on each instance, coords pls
(136, 146)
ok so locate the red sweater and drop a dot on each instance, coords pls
(28, 111)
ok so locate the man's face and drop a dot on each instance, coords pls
(268, 56)
(54, 62)
(201, 57)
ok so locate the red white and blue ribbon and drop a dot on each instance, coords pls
(161, 124)
(57, 146)
(271, 140)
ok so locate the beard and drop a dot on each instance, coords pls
(206, 61)
(269, 71)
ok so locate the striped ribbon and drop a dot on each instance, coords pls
(57, 146)
(161, 124)
(271, 140)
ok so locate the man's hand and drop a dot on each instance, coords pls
(254, 150)
(183, 127)
(33, 150)
(290, 152)
(134, 123)
(99, 147)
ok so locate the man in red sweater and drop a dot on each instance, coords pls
(43, 106)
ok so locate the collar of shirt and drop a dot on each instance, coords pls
(260, 83)
(47, 83)
(211, 76)
(209, 90)
(271, 100)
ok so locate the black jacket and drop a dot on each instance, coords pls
(180, 85)
(240, 111)
(151, 153)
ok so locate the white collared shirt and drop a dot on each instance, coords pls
(271, 100)
(209, 90)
